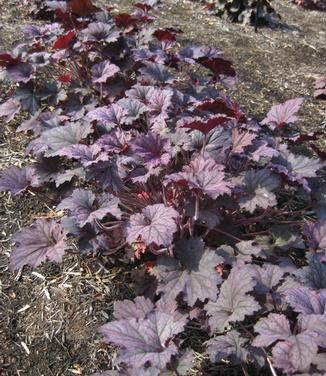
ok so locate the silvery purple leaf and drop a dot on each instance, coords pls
(307, 301)
(313, 275)
(85, 207)
(28, 98)
(202, 176)
(112, 116)
(153, 149)
(261, 149)
(57, 5)
(41, 122)
(85, 154)
(114, 142)
(16, 180)
(156, 224)
(21, 72)
(268, 277)
(320, 87)
(104, 70)
(134, 107)
(316, 324)
(233, 303)
(9, 109)
(315, 232)
(272, 328)
(153, 72)
(100, 32)
(68, 175)
(106, 173)
(59, 138)
(192, 53)
(128, 309)
(148, 340)
(284, 113)
(158, 105)
(153, 53)
(231, 346)
(241, 140)
(192, 272)
(39, 59)
(295, 354)
(140, 92)
(257, 188)
(44, 240)
(297, 167)
(247, 248)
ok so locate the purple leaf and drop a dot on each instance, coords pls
(231, 345)
(145, 340)
(268, 277)
(297, 167)
(114, 142)
(104, 70)
(192, 273)
(16, 180)
(106, 173)
(320, 87)
(192, 53)
(316, 324)
(158, 105)
(68, 175)
(100, 32)
(315, 232)
(241, 139)
(257, 189)
(9, 109)
(21, 72)
(153, 149)
(202, 176)
(153, 72)
(86, 154)
(59, 138)
(134, 109)
(307, 301)
(156, 224)
(44, 240)
(296, 354)
(39, 59)
(284, 113)
(261, 149)
(233, 303)
(128, 309)
(85, 207)
(111, 116)
(313, 275)
(140, 92)
(272, 328)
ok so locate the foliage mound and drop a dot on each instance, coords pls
(244, 11)
(221, 216)
(312, 4)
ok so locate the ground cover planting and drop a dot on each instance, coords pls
(147, 159)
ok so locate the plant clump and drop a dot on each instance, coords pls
(244, 11)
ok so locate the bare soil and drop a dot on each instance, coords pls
(49, 317)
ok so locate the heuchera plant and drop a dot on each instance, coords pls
(244, 11)
(221, 216)
(311, 4)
